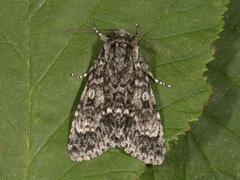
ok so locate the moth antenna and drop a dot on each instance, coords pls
(86, 30)
(156, 45)
(135, 35)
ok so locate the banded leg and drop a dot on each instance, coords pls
(156, 80)
(102, 36)
(84, 75)
(138, 31)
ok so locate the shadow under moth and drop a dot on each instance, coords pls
(117, 106)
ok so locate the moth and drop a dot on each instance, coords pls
(117, 106)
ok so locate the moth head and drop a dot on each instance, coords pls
(122, 32)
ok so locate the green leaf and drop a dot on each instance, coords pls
(39, 97)
(210, 150)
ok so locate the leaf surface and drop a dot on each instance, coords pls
(39, 97)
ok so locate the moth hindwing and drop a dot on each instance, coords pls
(117, 106)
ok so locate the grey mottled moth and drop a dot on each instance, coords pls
(117, 106)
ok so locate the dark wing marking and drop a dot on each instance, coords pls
(93, 124)
(142, 133)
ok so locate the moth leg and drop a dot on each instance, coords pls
(156, 80)
(137, 31)
(84, 75)
(102, 36)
